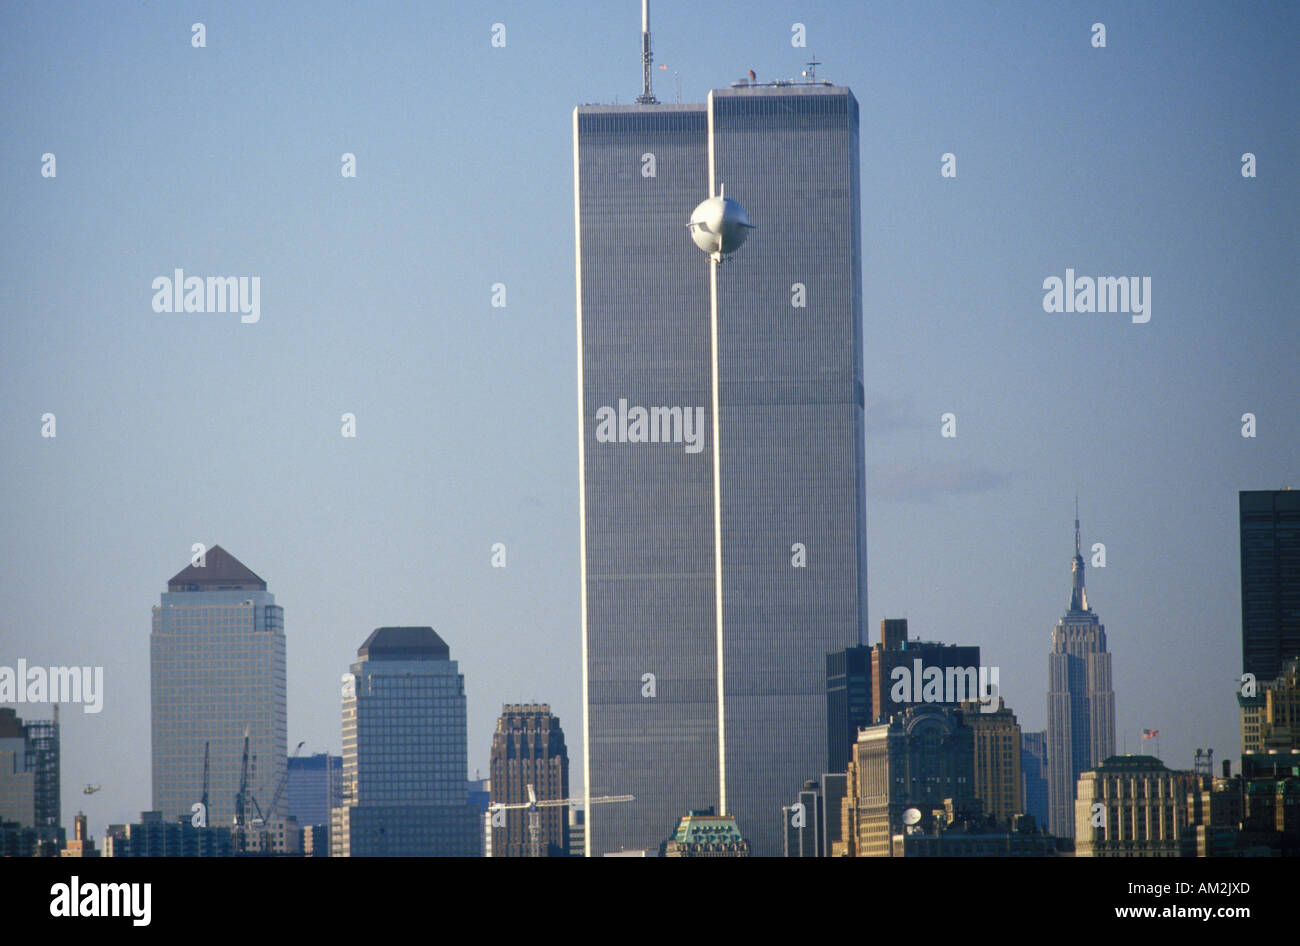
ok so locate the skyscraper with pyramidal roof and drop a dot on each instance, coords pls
(217, 668)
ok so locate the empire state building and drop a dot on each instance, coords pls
(1080, 701)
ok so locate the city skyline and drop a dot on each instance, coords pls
(177, 428)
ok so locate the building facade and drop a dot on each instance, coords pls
(1034, 774)
(804, 824)
(81, 844)
(405, 789)
(1270, 717)
(314, 789)
(848, 702)
(151, 836)
(850, 804)
(835, 786)
(577, 832)
(963, 839)
(528, 749)
(217, 668)
(17, 780)
(921, 759)
(43, 760)
(1132, 806)
(900, 669)
(480, 799)
(29, 783)
(1080, 700)
(1271, 796)
(714, 581)
(996, 741)
(1215, 815)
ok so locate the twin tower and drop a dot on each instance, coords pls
(716, 580)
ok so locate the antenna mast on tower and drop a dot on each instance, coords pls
(647, 96)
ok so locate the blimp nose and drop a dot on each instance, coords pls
(719, 225)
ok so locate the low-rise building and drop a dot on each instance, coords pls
(705, 834)
(1132, 806)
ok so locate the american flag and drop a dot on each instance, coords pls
(1150, 734)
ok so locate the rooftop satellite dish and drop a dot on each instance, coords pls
(911, 816)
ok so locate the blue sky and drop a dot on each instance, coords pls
(178, 428)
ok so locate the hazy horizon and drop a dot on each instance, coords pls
(376, 300)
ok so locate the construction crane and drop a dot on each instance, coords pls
(284, 779)
(240, 798)
(261, 818)
(533, 806)
(205, 782)
(252, 796)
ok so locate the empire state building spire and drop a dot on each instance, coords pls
(1080, 700)
(1078, 597)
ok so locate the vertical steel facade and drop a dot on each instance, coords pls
(789, 453)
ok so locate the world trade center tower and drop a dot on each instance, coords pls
(722, 526)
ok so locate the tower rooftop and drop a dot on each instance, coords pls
(404, 643)
(221, 572)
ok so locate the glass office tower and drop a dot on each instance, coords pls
(717, 572)
(217, 659)
(404, 752)
(315, 788)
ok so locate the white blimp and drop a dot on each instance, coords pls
(719, 226)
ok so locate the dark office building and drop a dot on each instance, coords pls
(835, 785)
(1034, 774)
(1270, 580)
(528, 749)
(315, 787)
(480, 799)
(17, 839)
(848, 703)
(895, 654)
(1271, 790)
(867, 685)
